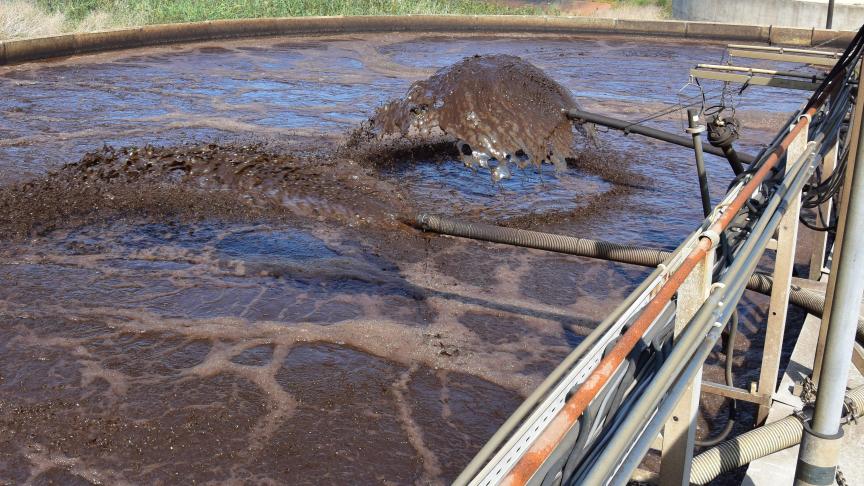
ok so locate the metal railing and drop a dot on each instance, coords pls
(552, 437)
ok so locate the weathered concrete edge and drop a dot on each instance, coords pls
(23, 50)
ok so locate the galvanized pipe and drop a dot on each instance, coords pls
(695, 130)
(630, 127)
(818, 458)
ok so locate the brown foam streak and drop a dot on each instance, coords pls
(281, 403)
(431, 465)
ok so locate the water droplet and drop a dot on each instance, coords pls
(481, 159)
(501, 172)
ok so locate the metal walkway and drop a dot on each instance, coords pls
(634, 383)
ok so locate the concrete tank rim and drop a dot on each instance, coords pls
(17, 51)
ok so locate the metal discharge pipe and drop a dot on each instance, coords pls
(570, 245)
(630, 127)
(695, 130)
(817, 459)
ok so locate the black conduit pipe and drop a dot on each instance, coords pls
(810, 301)
(630, 127)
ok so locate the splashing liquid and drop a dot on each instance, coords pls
(501, 110)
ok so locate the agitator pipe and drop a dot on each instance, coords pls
(630, 127)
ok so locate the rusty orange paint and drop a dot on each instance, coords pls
(575, 406)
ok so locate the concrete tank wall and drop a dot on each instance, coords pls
(848, 14)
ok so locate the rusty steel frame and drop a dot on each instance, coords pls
(820, 238)
(752, 70)
(541, 448)
(787, 238)
(772, 81)
(784, 54)
(679, 433)
(783, 50)
(735, 393)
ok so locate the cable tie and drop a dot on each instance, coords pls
(695, 130)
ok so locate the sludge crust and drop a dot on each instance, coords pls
(514, 309)
(268, 303)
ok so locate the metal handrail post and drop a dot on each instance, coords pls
(784, 261)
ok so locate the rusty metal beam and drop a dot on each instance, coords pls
(679, 433)
(786, 50)
(774, 82)
(787, 237)
(537, 453)
(739, 394)
(820, 238)
(783, 56)
(752, 70)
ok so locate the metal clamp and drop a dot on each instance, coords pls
(805, 115)
(711, 235)
(695, 130)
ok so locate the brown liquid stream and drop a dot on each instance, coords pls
(499, 108)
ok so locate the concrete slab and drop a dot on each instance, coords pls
(791, 36)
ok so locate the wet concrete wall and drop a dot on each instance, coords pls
(791, 13)
(23, 50)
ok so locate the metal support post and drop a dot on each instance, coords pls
(830, 20)
(817, 459)
(787, 236)
(679, 433)
(695, 130)
(820, 238)
(855, 134)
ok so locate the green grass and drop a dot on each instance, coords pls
(646, 3)
(164, 11)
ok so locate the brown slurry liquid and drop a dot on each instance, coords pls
(497, 107)
(228, 297)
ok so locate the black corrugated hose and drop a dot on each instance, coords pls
(810, 301)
